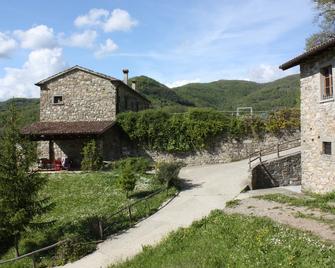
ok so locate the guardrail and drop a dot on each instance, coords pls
(278, 148)
(102, 231)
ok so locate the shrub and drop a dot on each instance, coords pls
(283, 121)
(167, 173)
(138, 164)
(195, 129)
(92, 159)
(127, 179)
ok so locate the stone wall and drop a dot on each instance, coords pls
(280, 172)
(317, 126)
(128, 100)
(221, 151)
(86, 97)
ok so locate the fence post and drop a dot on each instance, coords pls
(33, 262)
(129, 212)
(101, 230)
(278, 150)
(260, 154)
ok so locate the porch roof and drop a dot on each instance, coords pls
(67, 128)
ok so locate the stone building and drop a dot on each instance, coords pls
(77, 105)
(317, 117)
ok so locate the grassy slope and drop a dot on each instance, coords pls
(79, 198)
(229, 94)
(236, 241)
(157, 93)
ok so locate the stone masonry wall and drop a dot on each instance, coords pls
(317, 126)
(86, 97)
(280, 172)
(130, 101)
(222, 151)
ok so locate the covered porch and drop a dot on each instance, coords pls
(60, 144)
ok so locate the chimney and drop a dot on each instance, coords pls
(125, 76)
(133, 85)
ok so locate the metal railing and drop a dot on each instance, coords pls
(278, 148)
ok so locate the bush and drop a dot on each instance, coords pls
(92, 159)
(167, 173)
(195, 129)
(283, 121)
(127, 179)
(139, 164)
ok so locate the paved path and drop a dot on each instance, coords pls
(208, 187)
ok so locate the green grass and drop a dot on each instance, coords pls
(222, 240)
(80, 201)
(311, 201)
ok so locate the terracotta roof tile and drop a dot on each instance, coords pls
(314, 51)
(67, 128)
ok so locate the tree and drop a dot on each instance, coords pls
(20, 201)
(127, 179)
(127, 182)
(92, 159)
(326, 19)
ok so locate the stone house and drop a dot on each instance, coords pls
(77, 105)
(317, 117)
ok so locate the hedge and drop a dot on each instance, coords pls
(196, 128)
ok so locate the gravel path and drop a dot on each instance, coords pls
(289, 215)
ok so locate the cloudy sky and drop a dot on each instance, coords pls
(173, 41)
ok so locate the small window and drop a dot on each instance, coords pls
(327, 148)
(327, 82)
(57, 100)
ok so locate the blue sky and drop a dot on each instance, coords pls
(172, 41)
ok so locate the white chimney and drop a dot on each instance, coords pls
(125, 76)
(133, 85)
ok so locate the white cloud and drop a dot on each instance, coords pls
(93, 17)
(41, 63)
(119, 20)
(85, 39)
(106, 49)
(266, 73)
(7, 45)
(37, 37)
(180, 83)
(116, 20)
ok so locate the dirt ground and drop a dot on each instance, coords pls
(312, 220)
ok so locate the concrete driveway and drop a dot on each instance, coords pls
(207, 187)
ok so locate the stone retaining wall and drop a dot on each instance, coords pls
(279, 172)
(221, 151)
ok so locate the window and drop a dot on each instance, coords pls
(327, 82)
(57, 99)
(327, 148)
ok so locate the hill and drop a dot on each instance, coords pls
(29, 110)
(229, 94)
(159, 94)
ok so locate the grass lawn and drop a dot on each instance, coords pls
(222, 240)
(79, 201)
(322, 202)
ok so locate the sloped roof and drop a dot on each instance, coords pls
(312, 52)
(76, 67)
(67, 128)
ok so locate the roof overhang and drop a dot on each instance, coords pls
(66, 130)
(305, 56)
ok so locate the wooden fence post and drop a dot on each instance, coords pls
(101, 230)
(260, 154)
(129, 212)
(33, 261)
